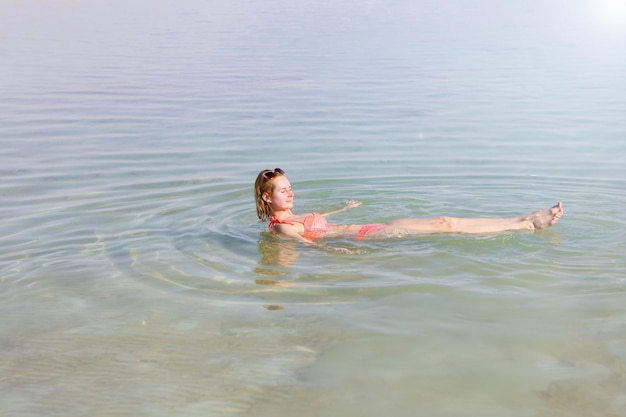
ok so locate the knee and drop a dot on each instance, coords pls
(446, 223)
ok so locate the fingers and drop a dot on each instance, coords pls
(341, 250)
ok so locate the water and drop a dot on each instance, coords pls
(136, 280)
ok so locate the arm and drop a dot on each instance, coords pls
(349, 204)
(290, 231)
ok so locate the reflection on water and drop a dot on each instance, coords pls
(276, 252)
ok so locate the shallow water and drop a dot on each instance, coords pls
(136, 280)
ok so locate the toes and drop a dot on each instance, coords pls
(557, 209)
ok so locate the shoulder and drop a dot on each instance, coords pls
(289, 229)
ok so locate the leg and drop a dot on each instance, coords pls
(537, 220)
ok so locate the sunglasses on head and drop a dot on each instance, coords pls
(271, 174)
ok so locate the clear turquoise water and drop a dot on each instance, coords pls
(135, 279)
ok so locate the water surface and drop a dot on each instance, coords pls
(135, 278)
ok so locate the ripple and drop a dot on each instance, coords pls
(200, 235)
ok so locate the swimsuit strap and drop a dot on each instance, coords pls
(274, 221)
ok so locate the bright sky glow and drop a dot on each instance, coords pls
(611, 13)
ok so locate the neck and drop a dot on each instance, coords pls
(282, 214)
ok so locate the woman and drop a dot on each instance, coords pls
(274, 201)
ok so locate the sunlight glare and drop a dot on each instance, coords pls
(612, 13)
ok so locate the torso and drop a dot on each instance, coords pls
(314, 225)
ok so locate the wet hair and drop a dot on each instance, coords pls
(263, 184)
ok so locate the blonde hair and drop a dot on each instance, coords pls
(264, 184)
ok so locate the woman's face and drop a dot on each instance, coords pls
(281, 197)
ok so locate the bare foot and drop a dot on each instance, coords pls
(545, 218)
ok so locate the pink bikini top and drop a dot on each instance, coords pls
(315, 225)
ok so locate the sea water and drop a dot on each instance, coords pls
(136, 280)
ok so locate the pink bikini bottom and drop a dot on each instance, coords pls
(369, 228)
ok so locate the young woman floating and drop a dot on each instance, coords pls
(274, 201)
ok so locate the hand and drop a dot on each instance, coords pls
(339, 250)
(352, 203)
